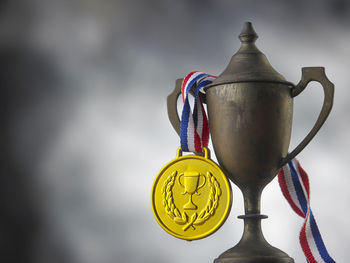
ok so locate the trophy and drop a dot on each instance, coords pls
(250, 109)
(190, 185)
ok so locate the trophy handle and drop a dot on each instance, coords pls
(313, 74)
(205, 179)
(172, 104)
(179, 179)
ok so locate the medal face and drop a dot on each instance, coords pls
(191, 197)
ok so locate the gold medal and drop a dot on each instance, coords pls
(191, 196)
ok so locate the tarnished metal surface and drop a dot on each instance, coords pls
(250, 112)
(250, 126)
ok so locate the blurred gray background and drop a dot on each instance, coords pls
(85, 129)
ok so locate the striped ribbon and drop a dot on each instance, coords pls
(194, 128)
(294, 184)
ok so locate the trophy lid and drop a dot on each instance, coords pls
(249, 64)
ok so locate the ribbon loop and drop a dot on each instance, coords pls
(194, 128)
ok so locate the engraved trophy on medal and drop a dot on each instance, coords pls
(250, 109)
(191, 186)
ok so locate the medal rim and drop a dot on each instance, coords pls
(227, 209)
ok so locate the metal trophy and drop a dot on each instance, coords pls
(250, 109)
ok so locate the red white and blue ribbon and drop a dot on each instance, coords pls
(294, 183)
(194, 128)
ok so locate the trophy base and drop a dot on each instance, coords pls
(234, 257)
(254, 254)
(254, 260)
(253, 248)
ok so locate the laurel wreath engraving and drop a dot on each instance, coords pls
(182, 218)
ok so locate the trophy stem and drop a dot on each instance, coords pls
(252, 197)
(253, 247)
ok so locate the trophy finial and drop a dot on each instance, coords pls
(249, 64)
(248, 34)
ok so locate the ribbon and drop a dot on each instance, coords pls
(294, 184)
(194, 128)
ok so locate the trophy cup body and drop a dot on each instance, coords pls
(250, 125)
(250, 112)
